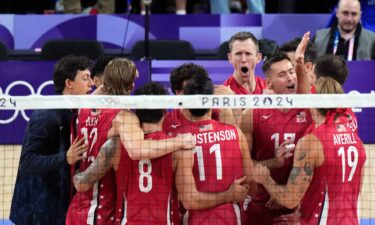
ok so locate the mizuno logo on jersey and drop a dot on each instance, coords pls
(266, 117)
(174, 126)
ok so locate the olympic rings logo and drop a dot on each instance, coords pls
(32, 92)
(109, 101)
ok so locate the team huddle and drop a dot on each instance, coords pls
(201, 166)
(221, 166)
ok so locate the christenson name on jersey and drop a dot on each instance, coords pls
(215, 136)
(344, 139)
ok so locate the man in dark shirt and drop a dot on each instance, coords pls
(346, 37)
(42, 190)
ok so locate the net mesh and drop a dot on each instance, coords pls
(16, 111)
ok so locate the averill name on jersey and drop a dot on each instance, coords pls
(344, 139)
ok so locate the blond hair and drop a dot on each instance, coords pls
(327, 85)
(119, 76)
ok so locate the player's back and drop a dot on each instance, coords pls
(97, 205)
(173, 119)
(122, 173)
(341, 171)
(312, 203)
(149, 190)
(350, 119)
(217, 163)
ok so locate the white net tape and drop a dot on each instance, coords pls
(196, 101)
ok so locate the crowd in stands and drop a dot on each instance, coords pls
(166, 6)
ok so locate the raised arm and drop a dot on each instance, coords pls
(127, 126)
(191, 198)
(309, 155)
(303, 81)
(107, 158)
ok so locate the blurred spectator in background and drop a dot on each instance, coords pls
(295, 6)
(180, 7)
(223, 6)
(346, 37)
(101, 6)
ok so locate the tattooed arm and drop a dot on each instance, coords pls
(309, 155)
(107, 158)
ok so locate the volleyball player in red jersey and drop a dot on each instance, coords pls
(326, 66)
(94, 125)
(96, 203)
(336, 68)
(149, 198)
(244, 56)
(269, 133)
(178, 79)
(220, 158)
(331, 154)
(149, 188)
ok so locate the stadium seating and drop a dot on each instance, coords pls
(164, 49)
(56, 49)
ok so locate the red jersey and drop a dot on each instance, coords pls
(149, 189)
(97, 205)
(173, 120)
(340, 175)
(350, 120)
(260, 85)
(271, 127)
(122, 179)
(217, 163)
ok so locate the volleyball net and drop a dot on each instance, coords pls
(15, 112)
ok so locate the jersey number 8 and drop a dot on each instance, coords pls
(145, 175)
